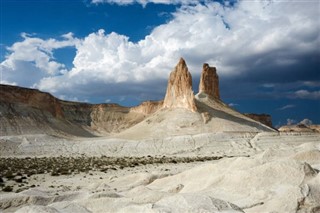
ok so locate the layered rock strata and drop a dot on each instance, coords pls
(147, 107)
(179, 90)
(30, 111)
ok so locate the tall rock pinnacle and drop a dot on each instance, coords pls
(209, 82)
(179, 91)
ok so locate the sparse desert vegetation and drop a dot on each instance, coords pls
(18, 170)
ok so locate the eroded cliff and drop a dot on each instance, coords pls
(30, 111)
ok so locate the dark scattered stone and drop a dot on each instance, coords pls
(19, 180)
(18, 169)
(7, 189)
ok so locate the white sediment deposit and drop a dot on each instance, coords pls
(188, 153)
(267, 172)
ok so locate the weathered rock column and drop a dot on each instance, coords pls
(209, 82)
(179, 91)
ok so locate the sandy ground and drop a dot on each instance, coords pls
(265, 172)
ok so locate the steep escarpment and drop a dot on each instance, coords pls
(30, 111)
(114, 118)
(31, 97)
(102, 119)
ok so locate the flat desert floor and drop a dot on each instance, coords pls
(219, 172)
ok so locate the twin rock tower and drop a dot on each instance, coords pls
(179, 91)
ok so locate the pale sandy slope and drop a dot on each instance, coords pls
(262, 170)
(283, 176)
(213, 116)
(275, 180)
(206, 144)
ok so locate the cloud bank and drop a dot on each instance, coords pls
(256, 41)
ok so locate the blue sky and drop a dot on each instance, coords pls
(267, 53)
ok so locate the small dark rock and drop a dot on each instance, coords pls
(7, 189)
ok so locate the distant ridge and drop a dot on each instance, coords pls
(30, 111)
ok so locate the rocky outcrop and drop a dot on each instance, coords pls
(30, 111)
(209, 82)
(113, 118)
(147, 107)
(31, 97)
(300, 128)
(179, 90)
(262, 118)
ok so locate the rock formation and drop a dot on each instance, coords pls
(147, 107)
(179, 91)
(31, 97)
(209, 82)
(300, 128)
(30, 111)
(262, 118)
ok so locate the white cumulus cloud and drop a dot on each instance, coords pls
(232, 38)
(32, 59)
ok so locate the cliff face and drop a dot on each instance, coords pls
(209, 82)
(179, 90)
(29, 111)
(262, 118)
(147, 107)
(113, 118)
(31, 97)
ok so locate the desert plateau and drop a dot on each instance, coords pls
(185, 153)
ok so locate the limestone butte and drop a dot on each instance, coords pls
(209, 82)
(179, 90)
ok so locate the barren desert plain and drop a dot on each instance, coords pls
(187, 153)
